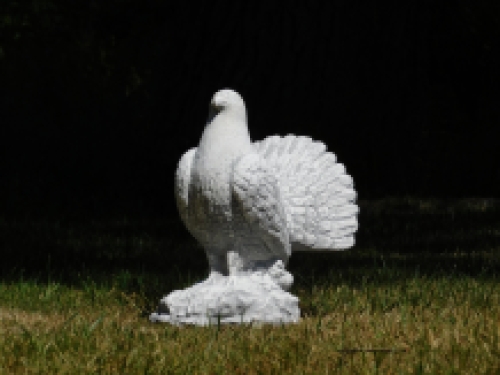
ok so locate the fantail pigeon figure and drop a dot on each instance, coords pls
(251, 204)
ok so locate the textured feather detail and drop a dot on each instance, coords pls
(182, 180)
(258, 200)
(317, 194)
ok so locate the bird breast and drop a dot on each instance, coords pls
(222, 144)
(209, 207)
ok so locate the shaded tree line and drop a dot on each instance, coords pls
(99, 99)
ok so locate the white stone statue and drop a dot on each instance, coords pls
(250, 204)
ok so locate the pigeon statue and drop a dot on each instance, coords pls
(250, 205)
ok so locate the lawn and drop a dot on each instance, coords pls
(419, 293)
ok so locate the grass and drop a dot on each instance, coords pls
(419, 294)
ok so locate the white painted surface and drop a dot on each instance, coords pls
(250, 205)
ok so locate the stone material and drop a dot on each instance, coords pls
(250, 205)
(229, 299)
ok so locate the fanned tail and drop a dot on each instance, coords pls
(318, 194)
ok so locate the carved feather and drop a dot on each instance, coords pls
(317, 194)
(182, 181)
(258, 197)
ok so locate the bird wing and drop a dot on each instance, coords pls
(256, 197)
(182, 180)
(318, 195)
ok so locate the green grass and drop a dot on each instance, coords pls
(418, 294)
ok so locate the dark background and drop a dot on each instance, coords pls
(99, 99)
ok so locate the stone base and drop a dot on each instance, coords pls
(229, 299)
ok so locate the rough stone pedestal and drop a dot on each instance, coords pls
(229, 299)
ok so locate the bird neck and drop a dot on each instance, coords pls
(226, 132)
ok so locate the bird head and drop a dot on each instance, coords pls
(226, 99)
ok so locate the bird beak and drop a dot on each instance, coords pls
(215, 105)
(213, 110)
